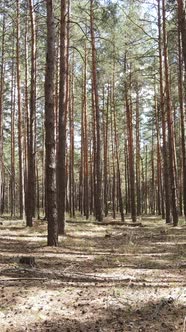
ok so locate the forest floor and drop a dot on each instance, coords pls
(101, 278)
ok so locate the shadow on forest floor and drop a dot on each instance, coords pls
(112, 278)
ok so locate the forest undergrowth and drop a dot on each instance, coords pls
(100, 278)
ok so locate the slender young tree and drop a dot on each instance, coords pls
(129, 117)
(182, 26)
(61, 149)
(20, 124)
(138, 157)
(71, 148)
(31, 186)
(26, 113)
(85, 131)
(105, 134)
(182, 46)
(1, 110)
(166, 187)
(12, 178)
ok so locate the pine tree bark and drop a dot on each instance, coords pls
(71, 152)
(116, 142)
(12, 178)
(50, 128)
(20, 124)
(31, 182)
(138, 156)
(181, 100)
(26, 116)
(105, 133)
(160, 200)
(130, 148)
(61, 150)
(171, 137)
(98, 193)
(1, 112)
(113, 170)
(182, 26)
(166, 186)
(85, 149)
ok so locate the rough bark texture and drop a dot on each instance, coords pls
(98, 205)
(171, 138)
(50, 129)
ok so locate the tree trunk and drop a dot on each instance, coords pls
(98, 213)
(31, 193)
(12, 178)
(138, 157)
(61, 150)
(20, 124)
(50, 129)
(181, 101)
(171, 138)
(105, 126)
(130, 148)
(182, 26)
(166, 190)
(85, 148)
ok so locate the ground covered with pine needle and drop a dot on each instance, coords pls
(102, 278)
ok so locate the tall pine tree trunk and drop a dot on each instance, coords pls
(171, 137)
(98, 194)
(1, 112)
(138, 156)
(166, 188)
(129, 117)
(20, 124)
(61, 149)
(182, 34)
(50, 129)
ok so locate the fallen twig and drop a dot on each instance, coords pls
(20, 279)
(184, 325)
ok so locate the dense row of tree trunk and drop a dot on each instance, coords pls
(115, 172)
